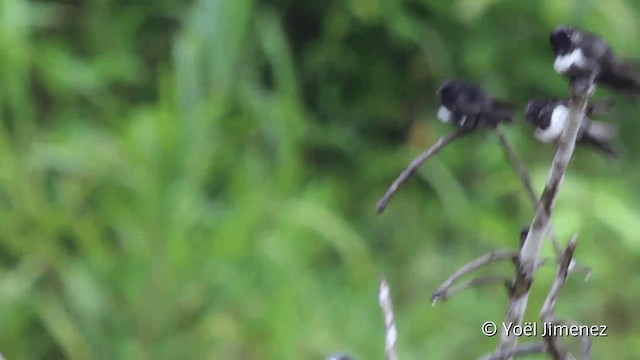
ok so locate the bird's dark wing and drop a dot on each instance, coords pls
(505, 104)
(468, 106)
(479, 109)
(593, 47)
(472, 101)
(501, 111)
(614, 72)
(594, 108)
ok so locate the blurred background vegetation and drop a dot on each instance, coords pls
(198, 179)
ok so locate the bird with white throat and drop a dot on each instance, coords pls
(550, 116)
(579, 53)
(466, 105)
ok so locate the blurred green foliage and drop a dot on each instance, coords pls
(198, 179)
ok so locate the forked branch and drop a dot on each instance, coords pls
(441, 292)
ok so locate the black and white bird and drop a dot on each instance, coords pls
(580, 53)
(550, 116)
(467, 106)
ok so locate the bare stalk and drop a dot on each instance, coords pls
(517, 165)
(555, 348)
(549, 306)
(581, 90)
(525, 179)
(390, 333)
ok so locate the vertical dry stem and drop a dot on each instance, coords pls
(529, 256)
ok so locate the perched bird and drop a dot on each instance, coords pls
(468, 106)
(580, 53)
(550, 116)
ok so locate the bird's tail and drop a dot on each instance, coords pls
(623, 76)
(502, 111)
(599, 107)
(599, 136)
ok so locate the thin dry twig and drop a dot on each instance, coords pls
(485, 259)
(448, 290)
(526, 349)
(557, 351)
(561, 277)
(525, 179)
(489, 280)
(517, 165)
(416, 163)
(581, 90)
(390, 333)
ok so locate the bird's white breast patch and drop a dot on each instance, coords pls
(558, 121)
(444, 114)
(563, 63)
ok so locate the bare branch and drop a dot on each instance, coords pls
(390, 333)
(557, 351)
(561, 276)
(547, 313)
(517, 165)
(416, 163)
(470, 267)
(448, 293)
(521, 171)
(447, 290)
(581, 90)
(526, 349)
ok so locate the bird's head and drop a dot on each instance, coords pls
(561, 40)
(448, 92)
(533, 113)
